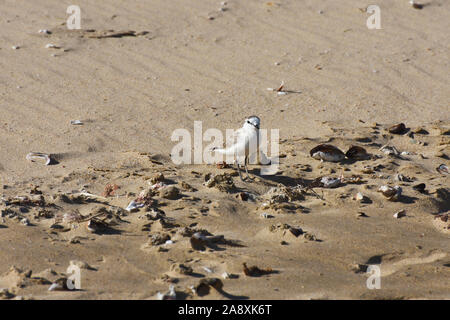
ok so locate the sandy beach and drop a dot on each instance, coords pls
(138, 70)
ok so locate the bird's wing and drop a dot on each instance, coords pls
(239, 145)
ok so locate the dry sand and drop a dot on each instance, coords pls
(199, 63)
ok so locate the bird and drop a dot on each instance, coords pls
(247, 140)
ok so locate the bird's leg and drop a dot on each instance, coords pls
(239, 169)
(246, 167)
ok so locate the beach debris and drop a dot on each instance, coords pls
(359, 268)
(362, 215)
(443, 169)
(72, 216)
(44, 31)
(159, 239)
(158, 177)
(170, 193)
(399, 214)
(416, 5)
(202, 288)
(15, 47)
(207, 269)
(169, 295)
(390, 151)
(254, 271)
(81, 264)
(59, 285)
(279, 89)
(222, 165)
(246, 196)
(420, 187)
(357, 153)
(284, 228)
(5, 294)
(327, 152)
(398, 129)
(181, 269)
(157, 186)
(76, 122)
(265, 215)
(96, 225)
(353, 179)
(81, 197)
(392, 193)
(284, 194)
(361, 198)
(25, 222)
(187, 187)
(110, 189)
(223, 182)
(444, 217)
(51, 46)
(134, 206)
(199, 241)
(327, 182)
(400, 177)
(35, 156)
(101, 34)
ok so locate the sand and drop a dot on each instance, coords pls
(191, 61)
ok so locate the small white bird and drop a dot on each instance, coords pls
(247, 145)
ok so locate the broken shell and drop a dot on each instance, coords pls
(33, 156)
(399, 214)
(254, 271)
(181, 268)
(51, 46)
(44, 31)
(392, 193)
(326, 182)
(59, 285)
(398, 128)
(359, 196)
(390, 151)
(158, 177)
(416, 5)
(134, 206)
(357, 153)
(76, 122)
(327, 152)
(420, 187)
(443, 169)
(400, 177)
(169, 295)
(95, 225)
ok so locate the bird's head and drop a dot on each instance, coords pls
(252, 122)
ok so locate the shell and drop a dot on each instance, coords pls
(390, 151)
(420, 187)
(443, 169)
(33, 156)
(327, 152)
(399, 214)
(134, 206)
(357, 153)
(398, 128)
(392, 193)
